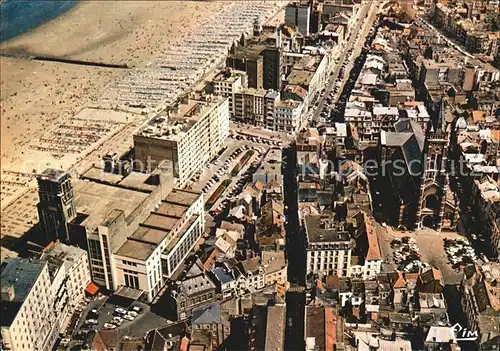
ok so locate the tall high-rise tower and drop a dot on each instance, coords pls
(299, 15)
(434, 182)
(57, 204)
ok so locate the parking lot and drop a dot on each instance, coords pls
(232, 170)
(103, 313)
(431, 249)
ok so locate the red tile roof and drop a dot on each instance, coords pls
(495, 135)
(330, 329)
(211, 259)
(373, 245)
(398, 280)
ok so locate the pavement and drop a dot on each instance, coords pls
(261, 146)
(224, 172)
(137, 328)
(258, 132)
(368, 7)
(431, 249)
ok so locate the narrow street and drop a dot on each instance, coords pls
(295, 238)
(295, 244)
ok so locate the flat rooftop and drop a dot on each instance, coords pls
(228, 76)
(172, 210)
(21, 274)
(175, 126)
(136, 249)
(300, 77)
(149, 235)
(58, 254)
(52, 174)
(97, 200)
(17, 279)
(159, 221)
(287, 103)
(252, 91)
(248, 52)
(134, 180)
(137, 180)
(182, 197)
(322, 229)
(98, 174)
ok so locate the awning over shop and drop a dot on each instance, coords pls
(92, 289)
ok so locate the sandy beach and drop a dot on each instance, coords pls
(68, 116)
(36, 96)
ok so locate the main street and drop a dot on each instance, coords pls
(296, 243)
(368, 11)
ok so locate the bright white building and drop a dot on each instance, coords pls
(70, 274)
(28, 317)
(287, 116)
(161, 243)
(329, 247)
(188, 137)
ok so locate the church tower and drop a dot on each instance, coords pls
(434, 180)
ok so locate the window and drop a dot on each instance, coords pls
(131, 281)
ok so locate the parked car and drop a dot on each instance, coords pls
(137, 309)
(120, 310)
(109, 326)
(118, 319)
(129, 317)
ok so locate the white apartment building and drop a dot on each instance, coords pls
(161, 243)
(28, 317)
(287, 116)
(70, 274)
(329, 247)
(227, 84)
(187, 137)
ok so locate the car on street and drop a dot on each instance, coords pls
(132, 313)
(120, 310)
(109, 326)
(129, 317)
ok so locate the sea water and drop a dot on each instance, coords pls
(17, 17)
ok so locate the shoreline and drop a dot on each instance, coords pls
(31, 25)
(40, 98)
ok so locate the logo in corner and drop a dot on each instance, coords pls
(464, 334)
